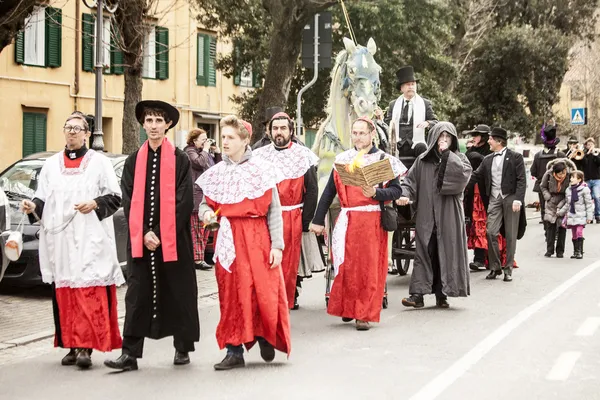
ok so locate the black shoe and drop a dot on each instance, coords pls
(345, 319)
(442, 302)
(125, 363)
(267, 351)
(493, 274)
(181, 358)
(560, 255)
(230, 362)
(296, 305)
(548, 254)
(476, 266)
(414, 300)
(203, 266)
(507, 278)
(83, 360)
(70, 358)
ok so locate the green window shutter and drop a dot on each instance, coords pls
(212, 57)
(116, 55)
(53, 37)
(237, 75)
(20, 48)
(87, 42)
(143, 135)
(162, 53)
(34, 133)
(201, 61)
(237, 78)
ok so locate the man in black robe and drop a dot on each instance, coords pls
(162, 292)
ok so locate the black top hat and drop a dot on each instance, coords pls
(405, 74)
(480, 129)
(270, 112)
(550, 132)
(499, 132)
(172, 113)
(572, 140)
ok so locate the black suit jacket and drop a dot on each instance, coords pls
(429, 114)
(513, 175)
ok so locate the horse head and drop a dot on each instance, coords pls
(361, 81)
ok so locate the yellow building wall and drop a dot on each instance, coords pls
(27, 88)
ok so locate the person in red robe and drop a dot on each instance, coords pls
(359, 241)
(298, 192)
(242, 191)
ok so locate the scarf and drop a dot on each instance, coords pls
(168, 235)
(574, 197)
(559, 181)
(417, 117)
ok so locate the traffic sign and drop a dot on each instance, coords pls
(578, 116)
(325, 42)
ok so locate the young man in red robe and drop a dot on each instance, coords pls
(359, 241)
(298, 192)
(242, 191)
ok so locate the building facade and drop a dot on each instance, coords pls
(49, 72)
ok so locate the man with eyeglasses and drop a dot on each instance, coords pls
(76, 196)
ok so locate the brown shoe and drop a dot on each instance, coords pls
(362, 325)
(83, 360)
(230, 362)
(70, 358)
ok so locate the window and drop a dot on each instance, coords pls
(248, 77)
(156, 54)
(113, 56)
(40, 43)
(206, 74)
(34, 133)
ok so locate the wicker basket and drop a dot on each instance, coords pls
(369, 175)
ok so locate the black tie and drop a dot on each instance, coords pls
(405, 112)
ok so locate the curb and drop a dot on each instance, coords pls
(35, 337)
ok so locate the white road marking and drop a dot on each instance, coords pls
(563, 366)
(434, 388)
(589, 327)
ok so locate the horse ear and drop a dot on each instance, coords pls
(371, 46)
(349, 44)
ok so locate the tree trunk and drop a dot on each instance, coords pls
(131, 126)
(285, 43)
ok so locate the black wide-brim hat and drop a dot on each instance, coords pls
(405, 74)
(270, 112)
(572, 140)
(480, 129)
(171, 111)
(499, 132)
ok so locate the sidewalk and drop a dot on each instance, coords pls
(27, 316)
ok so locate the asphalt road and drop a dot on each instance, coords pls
(533, 338)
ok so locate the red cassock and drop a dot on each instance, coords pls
(291, 195)
(252, 296)
(358, 288)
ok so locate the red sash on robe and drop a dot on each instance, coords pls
(168, 235)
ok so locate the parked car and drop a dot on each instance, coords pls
(19, 181)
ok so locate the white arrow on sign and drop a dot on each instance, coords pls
(577, 118)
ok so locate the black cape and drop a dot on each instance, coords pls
(175, 310)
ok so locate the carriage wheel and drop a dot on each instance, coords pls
(385, 302)
(403, 263)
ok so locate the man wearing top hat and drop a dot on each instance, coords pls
(409, 115)
(266, 139)
(158, 200)
(541, 160)
(501, 176)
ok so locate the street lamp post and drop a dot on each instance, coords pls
(100, 6)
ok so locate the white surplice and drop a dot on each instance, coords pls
(84, 254)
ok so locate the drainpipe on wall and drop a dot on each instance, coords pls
(77, 44)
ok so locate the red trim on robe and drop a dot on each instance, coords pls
(168, 237)
(252, 298)
(86, 320)
(357, 290)
(72, 163)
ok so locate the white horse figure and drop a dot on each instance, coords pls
(354, 92)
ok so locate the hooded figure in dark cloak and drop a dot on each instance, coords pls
(435, 185)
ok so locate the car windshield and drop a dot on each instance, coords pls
(22, 178)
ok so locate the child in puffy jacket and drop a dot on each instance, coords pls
(577, 211)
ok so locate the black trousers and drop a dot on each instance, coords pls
(479, 255)
(542, 204)
(134, 345)
(556, 233)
